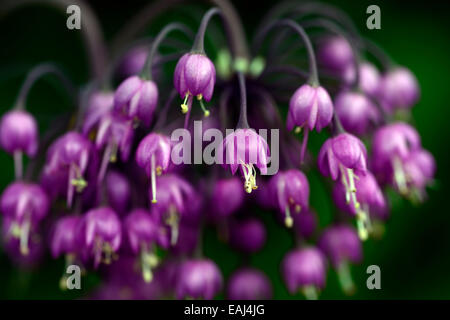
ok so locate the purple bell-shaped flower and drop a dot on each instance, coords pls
(70, 154)
(142, 234)
(175, 198)
(249, 284)
(305, 270)
(100, 104)
(198, 279)
(153, 154)
(309, 108)
(195, 76)
(115, 133)
(342, 246)
(100, 235)
(118, 190)
(356, 112)
(25, 205)
(248, 235)
(370, 201)
(245, 149)
(137, 98)
(227, 197)
(290, 192)
(398, 89)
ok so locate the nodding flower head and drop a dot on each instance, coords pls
(64, 237)
(70, 153)
(19, 133)
(249, 284)
(343, 156)
(227, 197)
(115, 133)
(392, 145)
(198, 279)
(27, 252)
(248, 235)
(398, 89)
(100, 235)
(118, 190)
(290, 190)
(195, 76)
(137, 98)
(25, 205)
(370, 201)
(245, 149)
(335, 54)
(143, 233)
(153, 154)
(369, 79)
(304, 270)
(342, 246)
(100, 103)
(420, 168)
(310, 107)
(356, 112)
(175, 197)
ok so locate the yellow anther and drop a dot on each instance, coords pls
(298, 129)
(206, 113)
(199, 96)
(288, 221)
(184, 108)
(154, 201)
(298, 208)
(158, 170)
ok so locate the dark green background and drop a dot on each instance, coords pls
(414, 255)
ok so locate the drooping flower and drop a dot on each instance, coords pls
(153, 154)
(137, 98)
(100, 103)
(118, 190)
(143, 233)
(392, 146)
(369, 79)
(398, 89)
(100, 234)
(370, 200)
(290, 192)
(305, 270)
(310, 107)
(245, 149)
(227, 197)
(335, 54)
(25, 252)
(248, 235)
(419, 169)
(344, 156)
(115, 133)
(70, 154)
(356, 112)
(25, 205)
(198, 279)
(19, 133)
(342, 246)
(64, 240)
(195, 76)
(175, 199)
(249, 284)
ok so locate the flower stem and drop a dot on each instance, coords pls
(147, 69)
(313, 75)
(35, 74)
(242, 123)
(198, 46)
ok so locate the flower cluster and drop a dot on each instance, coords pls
(106, 195)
